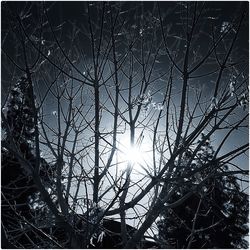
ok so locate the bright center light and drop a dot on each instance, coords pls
(133, 155)
(136, 156)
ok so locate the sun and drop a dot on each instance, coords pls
(136, 156)
(133, 155)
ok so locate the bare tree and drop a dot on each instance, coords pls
(119, 98)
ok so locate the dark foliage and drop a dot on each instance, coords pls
(215, 216)
(20, 114)
(18, 188)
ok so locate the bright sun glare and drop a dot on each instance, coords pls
(137, 156)
(133, 155)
